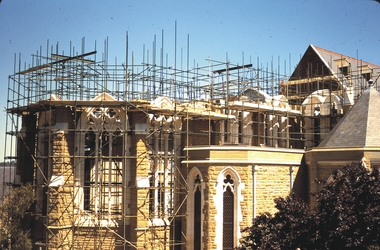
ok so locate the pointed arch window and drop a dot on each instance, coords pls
(195, 205)
(197, 212)
(228, 208)
(228, 213)
(103, 167)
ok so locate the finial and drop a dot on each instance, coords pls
(370, 83)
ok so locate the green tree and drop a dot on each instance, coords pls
(347, 216)
(13, 234)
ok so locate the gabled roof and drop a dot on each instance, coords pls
(322, 62)
(311, 64)
(359, 127)
(323, 69)
(329, 56)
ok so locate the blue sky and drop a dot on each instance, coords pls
(265, 29)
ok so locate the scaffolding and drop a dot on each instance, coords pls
(75, 121)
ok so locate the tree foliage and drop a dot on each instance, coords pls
(13, 234)
(347, 216)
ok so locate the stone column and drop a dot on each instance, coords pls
(166, 127)
(275, 130)
(234, 132)
(178, 222)
(61, 189)
(142, 183)
(247, 128)
(269, 130)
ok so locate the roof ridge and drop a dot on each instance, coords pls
(345, 56)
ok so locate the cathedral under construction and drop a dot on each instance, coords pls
(147, 156)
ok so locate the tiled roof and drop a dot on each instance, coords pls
(359, 127)
(327, 53)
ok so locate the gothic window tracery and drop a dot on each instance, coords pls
(103, 144)
(162, 163)
(228, 212)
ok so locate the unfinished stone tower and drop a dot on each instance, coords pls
(141, 156)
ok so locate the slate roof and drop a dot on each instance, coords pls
(359, 127)
(6, 173)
